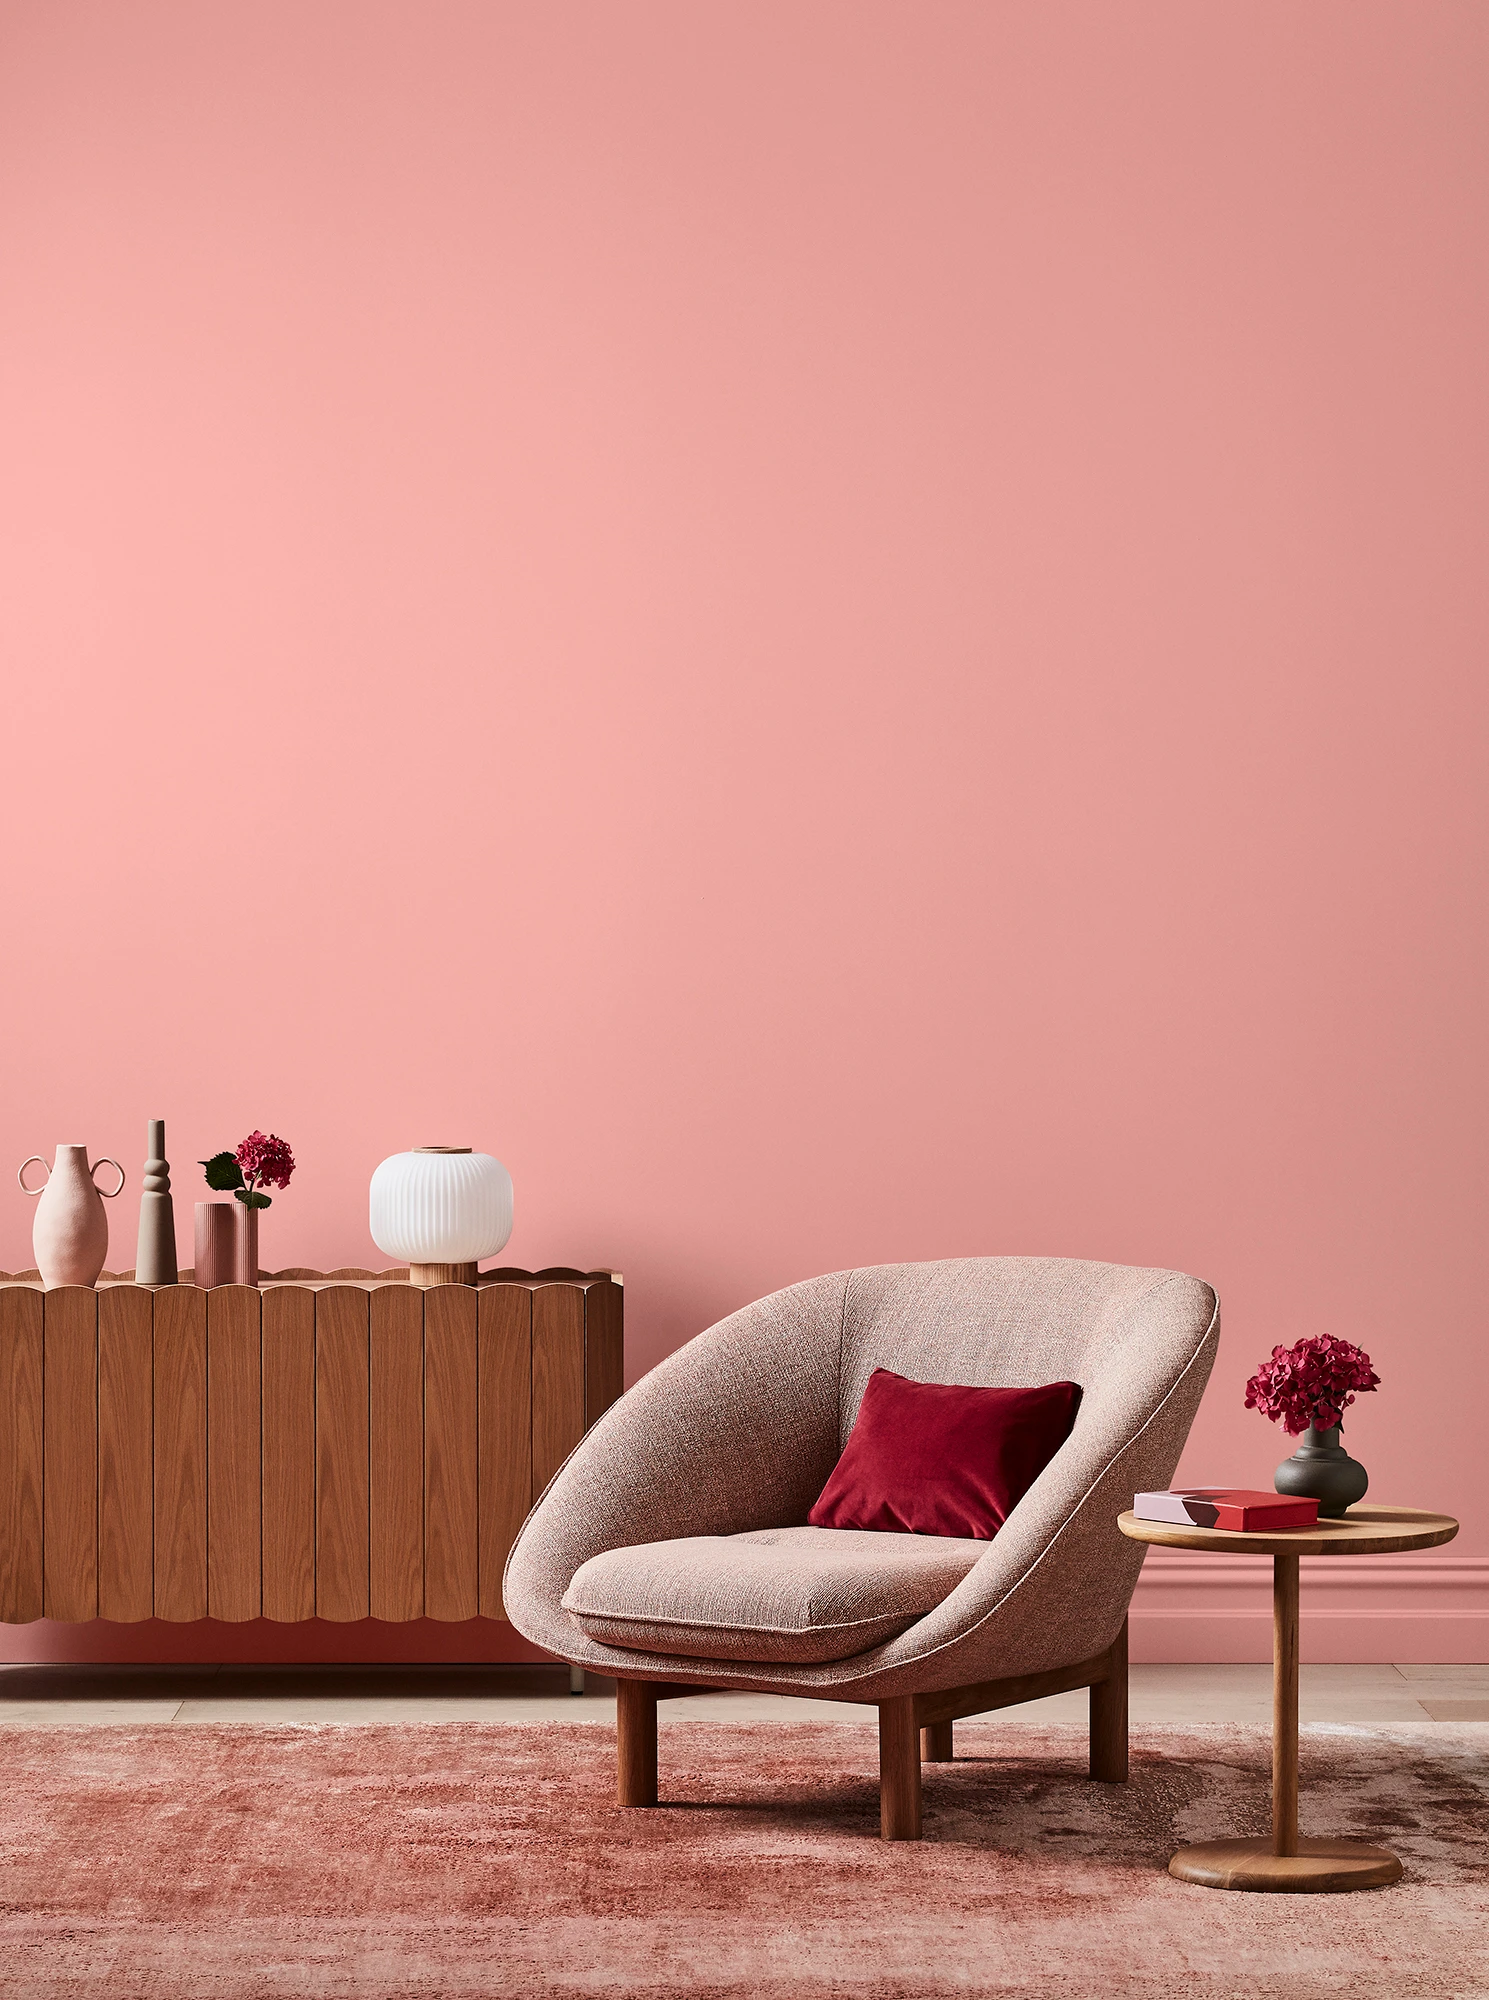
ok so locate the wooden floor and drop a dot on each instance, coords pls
(50, 1696)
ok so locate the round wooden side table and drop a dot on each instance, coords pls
(1287, 1862)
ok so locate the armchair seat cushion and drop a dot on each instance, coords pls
(803, 1594)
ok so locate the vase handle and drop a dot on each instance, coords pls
(107, 1193)
(21, 1175)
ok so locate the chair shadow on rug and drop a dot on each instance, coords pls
(689, 1502)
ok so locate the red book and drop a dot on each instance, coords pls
(1226, 1507)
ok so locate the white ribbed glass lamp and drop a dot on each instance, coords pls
(440, 1209)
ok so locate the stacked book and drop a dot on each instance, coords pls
(1226, 1507)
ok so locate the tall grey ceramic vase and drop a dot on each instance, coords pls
(155, 1255)
(1322, 1470)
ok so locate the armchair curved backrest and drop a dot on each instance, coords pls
(739, 1429)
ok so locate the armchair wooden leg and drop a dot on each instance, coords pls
(935, 1743)
(636, 1743)
(899, 1769)
(1109, 1718)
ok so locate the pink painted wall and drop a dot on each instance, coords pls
(846, 631)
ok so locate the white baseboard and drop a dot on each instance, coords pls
(1416, 1609)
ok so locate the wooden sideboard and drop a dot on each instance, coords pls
(323, 1445)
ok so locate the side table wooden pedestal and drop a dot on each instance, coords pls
(1287, 1861)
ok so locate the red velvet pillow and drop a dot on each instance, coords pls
(933, 1458)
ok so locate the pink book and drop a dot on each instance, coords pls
(1226, 1507)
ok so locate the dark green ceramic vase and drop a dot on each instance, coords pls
(1322, 1470)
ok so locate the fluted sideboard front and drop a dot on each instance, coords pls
(336, 1445)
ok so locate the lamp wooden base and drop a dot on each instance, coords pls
(1323, 1867)
(428, 1275)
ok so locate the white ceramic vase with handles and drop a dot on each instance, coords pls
(70, 1237)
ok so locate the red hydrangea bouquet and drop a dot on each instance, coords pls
(1308, 1388)
(261, 1161)
(1312, 1383)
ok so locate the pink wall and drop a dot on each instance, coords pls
(846, 631)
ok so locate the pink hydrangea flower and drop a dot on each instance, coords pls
(265, 1160)
(1313, 1382)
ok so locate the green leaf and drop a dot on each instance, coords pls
(223, 1172)
(252, 1199)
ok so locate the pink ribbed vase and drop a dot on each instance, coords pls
(214, 1243)
(245, 1244)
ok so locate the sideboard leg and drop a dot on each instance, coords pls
(636, 1743)
(576, 1680)
(1109, 1718)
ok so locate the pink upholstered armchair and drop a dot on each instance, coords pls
(671, 1550)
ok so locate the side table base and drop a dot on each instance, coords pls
(1320, 1867)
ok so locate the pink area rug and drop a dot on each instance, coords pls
(456, 1860)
